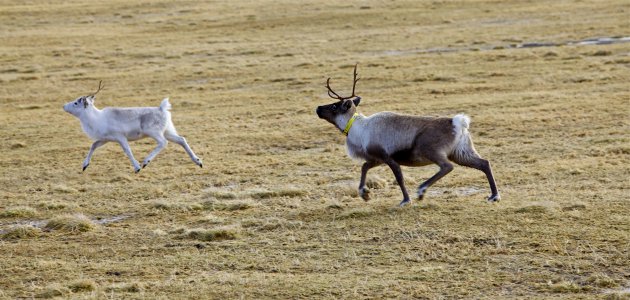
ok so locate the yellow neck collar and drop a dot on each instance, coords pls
(349, 124)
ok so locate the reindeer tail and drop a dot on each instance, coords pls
(463, 147)
(165, 105)
(461, 123)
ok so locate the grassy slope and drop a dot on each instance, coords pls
(244, 79)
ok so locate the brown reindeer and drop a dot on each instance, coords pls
(403, 140)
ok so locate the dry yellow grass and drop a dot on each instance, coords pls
(274, 213)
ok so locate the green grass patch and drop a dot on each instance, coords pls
(532, 209)
(20, 232)
(18, 212)
(53, 291)
(228, 205)
(124, 287)
(221, 195)
(54, 205)
(70, 223)
(278, 193)
(214, 234)
(83, 285)
(359, 212)
(175, 206)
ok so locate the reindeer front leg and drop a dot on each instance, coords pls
(399, 178)
(125, 146)
(363, 191)
(88, 158)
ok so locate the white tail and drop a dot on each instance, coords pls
(165, 105)
(463, 149)
(461, 123)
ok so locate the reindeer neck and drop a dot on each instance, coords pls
(91, 113)
(346, 122)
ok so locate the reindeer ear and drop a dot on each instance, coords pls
(356, 101)
(346, 105)
(89, 100)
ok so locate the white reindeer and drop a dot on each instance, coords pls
(395, 140)
(115, 124)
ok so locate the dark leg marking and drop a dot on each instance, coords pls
(363, 191)
(482, 165)
(399, 179)
(445, 168)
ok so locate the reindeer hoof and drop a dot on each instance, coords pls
(85, 167)
(421, 192)
(405, 202)
(198, 162)
(138, 170)
(364, 193)
(494, 198)
(145, 164)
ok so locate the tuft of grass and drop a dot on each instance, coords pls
(53, 291)
(347, 190)
(18, 212)
(229, 205)
(161, 205)
(70, 223)
(278, 193)
(165, 205)
(121, 178)
(624, 295)
(64, 189)
(158, 232)
(270, 223)
(601, 53)
(375, 182)
(574, 207)
(359, 212)
(566, 287)
(221, 195)
(334, 204)
(532, 209)
(247, 223)
(212, 219)
(54, 205)
(178, 230)
(83, 285)
(20, 232)
(214, 234)
(31, 106)
(429, 206)
(18, 145)
(602, 281)
(124, 287)
(550, 54)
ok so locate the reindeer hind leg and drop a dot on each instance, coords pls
(473, 160)
(445, 168)
(172, 136)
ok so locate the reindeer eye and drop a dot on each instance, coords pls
(334, 107)
(75, 103)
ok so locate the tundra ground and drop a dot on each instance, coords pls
(274, 213)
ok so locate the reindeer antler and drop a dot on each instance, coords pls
(334, 95)
(99, 88)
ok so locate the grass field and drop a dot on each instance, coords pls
(274, 213)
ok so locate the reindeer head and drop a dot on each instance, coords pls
(342, 110)
(79, 105)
